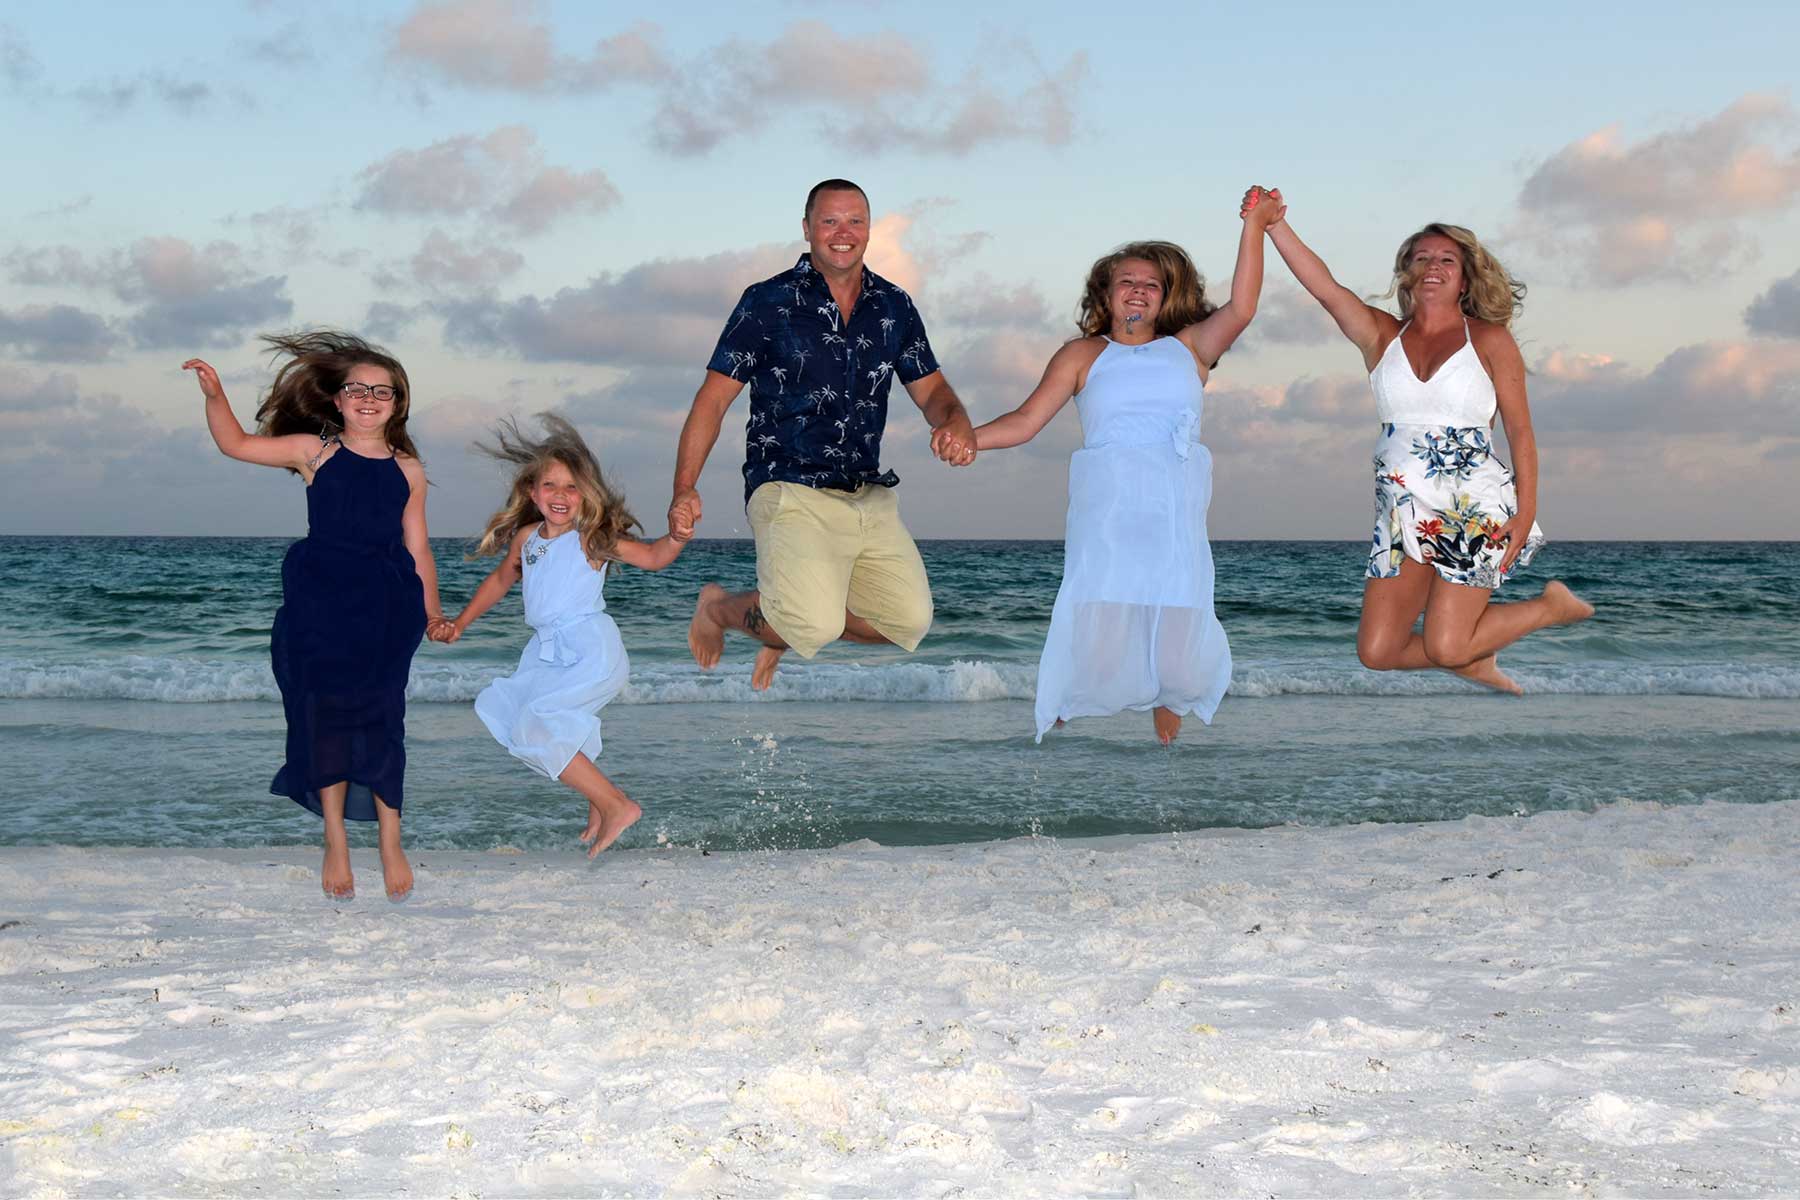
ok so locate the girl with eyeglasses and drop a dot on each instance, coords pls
(358, 592)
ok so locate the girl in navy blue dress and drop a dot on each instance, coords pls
(357, 593)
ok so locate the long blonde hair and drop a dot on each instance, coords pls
(601, 519)
(1488, 292)
(1184, 289)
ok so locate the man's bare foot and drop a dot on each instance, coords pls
(621, 815)
(762, 673)
(1167, 724)
(1487, 672)
(396, 872)
(706, 637)
(596, 819)
(1567, 608)
(335, 876)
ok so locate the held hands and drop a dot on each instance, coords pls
(210, 387)
(443, 629)
(684, 514)
(1263, 207)
(954, 441)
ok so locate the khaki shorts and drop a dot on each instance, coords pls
(819, 552)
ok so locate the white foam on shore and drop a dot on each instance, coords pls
(182, 680)
(1595, 1004)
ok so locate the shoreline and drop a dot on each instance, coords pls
(1603, 1002)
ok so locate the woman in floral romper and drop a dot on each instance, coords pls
(1452, 521)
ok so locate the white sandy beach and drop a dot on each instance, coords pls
(1593, 1005)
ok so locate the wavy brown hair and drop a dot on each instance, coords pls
(1489, 293)
(600, 520)
(1184, 289)
(312, 369)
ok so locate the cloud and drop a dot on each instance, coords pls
(1664, 207)
(19, 67)
(287, 46)
(503, 46)
(185, 96)
(665, 312)
(502, 174)
(442, 262)
(1751, 388)
(1286, 316)
(1776, 311)
(183, 295)
(876, 91)
(56, 333)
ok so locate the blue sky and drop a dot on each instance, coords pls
(551, 206)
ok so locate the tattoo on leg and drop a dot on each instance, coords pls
(753, 619)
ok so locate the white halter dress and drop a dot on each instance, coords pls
(1133, 626)
(548, 710)
(1440, 494)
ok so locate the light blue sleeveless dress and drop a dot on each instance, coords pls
(548, 710)
(1133, 626)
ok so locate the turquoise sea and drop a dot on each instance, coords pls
(137, 707)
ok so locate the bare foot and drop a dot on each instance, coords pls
(1567, 608)
(621, 815)
(706, 637)
(1487, 672)
(1167, 724)
(335, 876)
(396, 872)
(596, 819)
(762, 674)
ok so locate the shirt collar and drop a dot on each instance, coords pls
(804, 268)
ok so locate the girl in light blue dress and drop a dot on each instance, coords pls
(1133, 626)
(559, 530)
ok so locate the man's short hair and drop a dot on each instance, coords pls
(832, 185)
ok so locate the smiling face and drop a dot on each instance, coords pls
(837, 230)
(1136, 291)
(366, 414)
(1434, 270)
(557, 498)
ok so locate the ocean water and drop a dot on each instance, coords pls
(137, 707)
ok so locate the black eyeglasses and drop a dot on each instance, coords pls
(362, 391)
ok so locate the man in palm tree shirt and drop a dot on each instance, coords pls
(820, 346)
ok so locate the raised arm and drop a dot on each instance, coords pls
(1499, 353)
(1214, 336)
(291, 451)
(1367, 327)
(698, 435)
(490, 592)
(417, 539)
(649, 556)
(1061, 380)
(952, 435)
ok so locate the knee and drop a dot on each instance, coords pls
(806, 628)
(1375, 655)
(1447, 650)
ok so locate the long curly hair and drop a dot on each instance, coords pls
(312, 368)
(1184, 289)
(1489, 293)
(601, 519)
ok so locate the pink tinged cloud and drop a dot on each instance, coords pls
(1665, 206)
(466, 174)
(499, 45)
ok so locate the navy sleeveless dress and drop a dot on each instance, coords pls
(352, 614)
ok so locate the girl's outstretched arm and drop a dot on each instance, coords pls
(1499, 353)
(1212, 337)
(649, 556)
(1062, 378)
(1368, 328)
(291, 451)
(418, 541)
(498, 582)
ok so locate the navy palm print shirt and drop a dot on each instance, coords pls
(819, 384)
